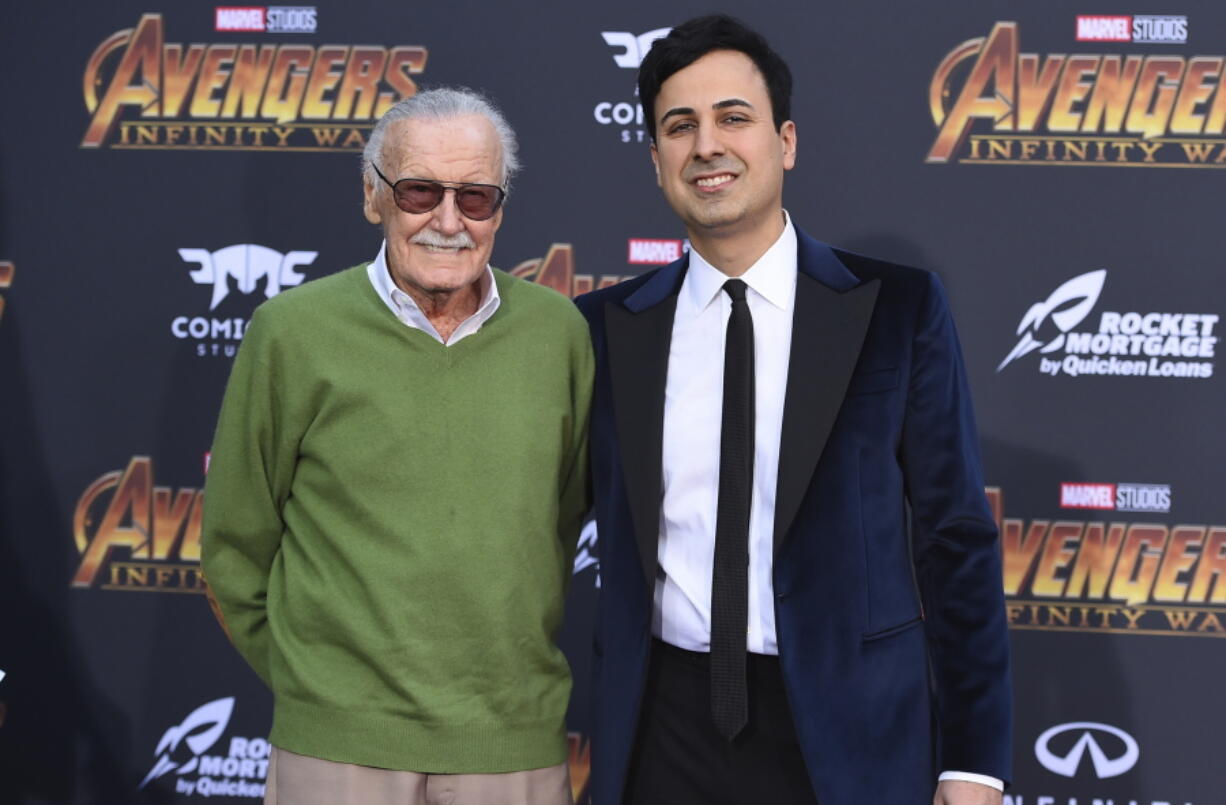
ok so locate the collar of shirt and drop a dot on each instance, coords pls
(773, 276)
(408, 312)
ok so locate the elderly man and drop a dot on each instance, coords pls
(788, 490)
(397, 485)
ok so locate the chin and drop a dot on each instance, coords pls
(713, 213)
(715, 220)
(441, 286)
(453, 280)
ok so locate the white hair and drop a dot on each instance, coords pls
(443, 103)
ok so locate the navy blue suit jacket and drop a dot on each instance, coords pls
(888, 602)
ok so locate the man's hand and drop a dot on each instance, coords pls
(959, 792)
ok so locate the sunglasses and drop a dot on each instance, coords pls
(476, 201)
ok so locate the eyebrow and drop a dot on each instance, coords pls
(724, 104)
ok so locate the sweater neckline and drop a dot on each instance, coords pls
(420, 337)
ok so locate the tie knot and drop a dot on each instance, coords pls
(736, 289)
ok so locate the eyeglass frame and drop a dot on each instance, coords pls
(455, 187)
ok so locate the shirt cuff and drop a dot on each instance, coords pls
(967, 777)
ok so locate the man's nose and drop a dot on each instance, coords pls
(707, 142)
(447, 217)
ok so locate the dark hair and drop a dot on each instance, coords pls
(693, 39)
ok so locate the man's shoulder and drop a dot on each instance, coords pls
(870, 268)
(526, 298)
(902, 287)
(307, 313)
(592, 303)
(314, 298)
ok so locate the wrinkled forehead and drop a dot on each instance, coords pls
(456, 149)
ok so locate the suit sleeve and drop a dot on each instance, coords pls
(248, 481)
(575, 493)
(957, 552)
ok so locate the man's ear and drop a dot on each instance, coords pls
(369, 208)
(655, 161)
(787, 138)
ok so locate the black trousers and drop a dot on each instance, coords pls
(679, 758)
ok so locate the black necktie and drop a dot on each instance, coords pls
(730, 578)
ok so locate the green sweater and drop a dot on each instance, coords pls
(390, 522)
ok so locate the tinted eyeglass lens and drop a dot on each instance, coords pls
(476, 201)
(418, 197)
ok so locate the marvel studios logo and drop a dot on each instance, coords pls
(653, 251)
(267, 19)
(1145, 29)
(1117, 497)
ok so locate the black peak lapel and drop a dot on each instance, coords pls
(638, 365)
(828, 329)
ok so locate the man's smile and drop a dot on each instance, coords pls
(714, 182)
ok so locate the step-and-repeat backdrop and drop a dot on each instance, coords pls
(168, 167)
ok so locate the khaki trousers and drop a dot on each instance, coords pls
(300, 780)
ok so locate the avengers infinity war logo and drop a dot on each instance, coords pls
(557, 270)
(133, 535)
(993, 104)
(1125, 577)
(145, 93)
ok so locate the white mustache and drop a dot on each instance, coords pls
(428, 237)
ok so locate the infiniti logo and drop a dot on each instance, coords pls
(1104, 766)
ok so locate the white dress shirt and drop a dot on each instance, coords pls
(693, 409)
(408, 311)
(693, 403)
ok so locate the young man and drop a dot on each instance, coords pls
(801, 595)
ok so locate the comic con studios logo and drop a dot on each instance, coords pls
(1087, 750)
(625, 114)
(189, 752)
(143, 92)
(240, 269)
(994, 104)
(1120, 343)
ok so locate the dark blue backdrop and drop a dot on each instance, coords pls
(133, 132)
